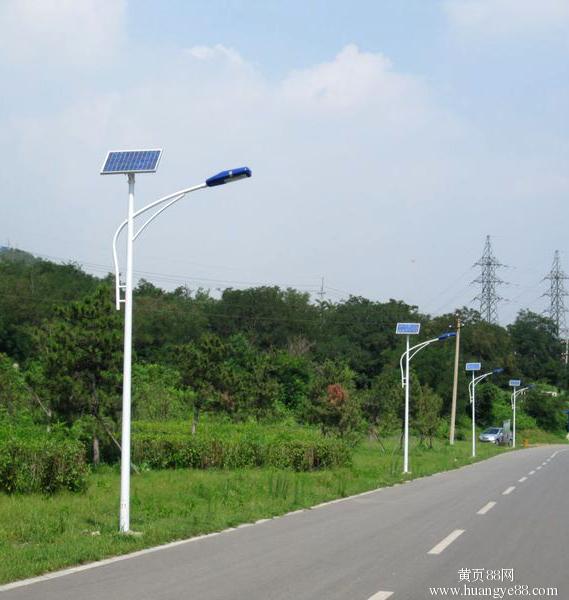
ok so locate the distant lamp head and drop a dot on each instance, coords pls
(447, 335)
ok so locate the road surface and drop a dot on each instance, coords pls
(481, 526)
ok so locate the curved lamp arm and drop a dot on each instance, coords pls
(170, 199)
(474, 382)
(415, 350)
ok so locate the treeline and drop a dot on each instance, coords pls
(264, 354)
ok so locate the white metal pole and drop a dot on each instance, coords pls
(473, 416)
(514, 419)
(406, 433)
(127, 363)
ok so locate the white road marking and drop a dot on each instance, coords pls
(538, 468)
(446, 542)
(486, 508)
(509, 490)
(381, 596)
(523, 479)
(543, 464)
(532, 472)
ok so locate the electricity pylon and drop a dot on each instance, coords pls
(556, 294)
(488, 282)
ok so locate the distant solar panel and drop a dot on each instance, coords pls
(131, 161)
(473, 366)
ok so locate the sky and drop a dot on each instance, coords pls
(386, 140)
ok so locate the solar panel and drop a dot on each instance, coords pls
(131, 161)
(473, 366)
(408, 328)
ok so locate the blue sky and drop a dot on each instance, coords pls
(387, 139)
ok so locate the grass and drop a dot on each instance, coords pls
(40, 533)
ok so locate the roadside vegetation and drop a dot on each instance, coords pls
(245, 406)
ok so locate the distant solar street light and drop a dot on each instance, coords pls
(131, 162)
(474, 367)
(408, 329)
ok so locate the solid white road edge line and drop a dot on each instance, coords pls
(523, 479)
(509, 490)
(446, 542)
(381, 596)
(486, 508)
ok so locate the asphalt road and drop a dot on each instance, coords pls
(478, 527)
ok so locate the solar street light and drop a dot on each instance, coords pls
(515, 384)
(474, 367)
(408, 329)
(129, 163)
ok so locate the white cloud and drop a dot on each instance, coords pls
(219, 51)
(60, 32)
(508, 17)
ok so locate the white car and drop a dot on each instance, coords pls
(493, 434)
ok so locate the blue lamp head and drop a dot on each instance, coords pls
(498, 370)
(446, 336)
(228, 176)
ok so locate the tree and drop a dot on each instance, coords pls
(157, 393)
(537, 346)
(14, 393)
(270, 317)
(80, 358)
(361, 333)
(427, 412)
(334, 404)
(546, 406)
(382, 404)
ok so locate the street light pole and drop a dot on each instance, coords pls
(129, 163)
(514, 396)
(124, 517)
(473, 416)
(406, 431)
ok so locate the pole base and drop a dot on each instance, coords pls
(131, 533)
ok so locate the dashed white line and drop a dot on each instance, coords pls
(538, 468)
(523, 479)
(450, 538)
(381, 596)
(509, 490)
(532, 472)
(486, 508)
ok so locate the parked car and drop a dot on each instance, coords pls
(492, 434)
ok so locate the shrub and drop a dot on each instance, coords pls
(232, 447)
(41, 464)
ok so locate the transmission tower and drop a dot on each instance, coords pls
(488, 282)
(556, 294)
(321, 293)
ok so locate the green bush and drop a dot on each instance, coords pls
(235, 447)
(41, 464)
